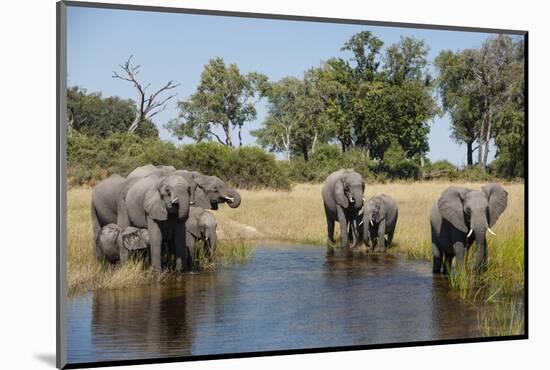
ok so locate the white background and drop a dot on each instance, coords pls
(27, 204)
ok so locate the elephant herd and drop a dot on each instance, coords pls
(160, 209)
(460, 217)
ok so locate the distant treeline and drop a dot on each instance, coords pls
(91, 159)
(370, 110)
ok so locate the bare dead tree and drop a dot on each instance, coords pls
(148, 105)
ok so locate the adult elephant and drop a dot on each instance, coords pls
(200, 227)
(379, 219)
(160, 204)
(343, 200)
(208, 191)
(460, 217)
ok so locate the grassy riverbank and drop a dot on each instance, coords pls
(297, 216)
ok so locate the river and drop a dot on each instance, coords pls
(285, 297)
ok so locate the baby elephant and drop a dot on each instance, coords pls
(116, 243)
(379, 219)
(200, 227)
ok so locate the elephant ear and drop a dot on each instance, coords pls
(498, 200)
(340, 195)
(154, 206)
(382, 210)
(200, 179)
(451, 207)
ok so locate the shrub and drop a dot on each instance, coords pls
(91, 159)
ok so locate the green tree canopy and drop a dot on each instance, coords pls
(482, 90)
(225, 99)
(92, 114)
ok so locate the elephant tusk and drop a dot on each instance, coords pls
(191, 202)
(371, 223)
(470, 232)
(361, 223)
(491, 231)
(364, 200)
(174, 200)
(351, 200)
(231, 199)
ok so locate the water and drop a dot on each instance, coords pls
(284, 298)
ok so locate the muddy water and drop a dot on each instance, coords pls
(284, 298)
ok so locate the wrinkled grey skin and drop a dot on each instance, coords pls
(160, 204)
(207, 191)
(104, 208)
(200, 227)
(148, 169)
(458, 211)
(343, 200)
(379, 219)
(113, 238)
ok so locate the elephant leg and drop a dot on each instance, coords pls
(447, 263)
(330, 231)
(352, 234)
(390, 237)
(123, 255)
(437, 259)
(190, 244)
(343, 227)
(180, 249)
(96, 232)
(155, 242)
(381, 236)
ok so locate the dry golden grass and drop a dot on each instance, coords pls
(298, 216)
(85, 273)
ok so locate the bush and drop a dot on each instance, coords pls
(91, 159)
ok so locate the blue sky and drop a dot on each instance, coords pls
(177, 46)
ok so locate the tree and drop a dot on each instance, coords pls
(148, 106)
(406, 61)
(93, 115)
(475, 85)
(296, 121)
(460, 99)
(225, 99)
(278, 129)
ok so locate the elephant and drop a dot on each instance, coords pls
(379, 219)
(343, 200)
(104, 211)
(200, 226)
(460, 217)
(207, 191)
(113, 239)
(160, 204)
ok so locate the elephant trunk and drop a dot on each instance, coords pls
(356, 199)
(182, 198)
(211, 242)
(233, 198)
(480, 263)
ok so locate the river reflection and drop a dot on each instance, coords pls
(284, 298)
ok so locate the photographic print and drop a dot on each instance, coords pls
(238, 184)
